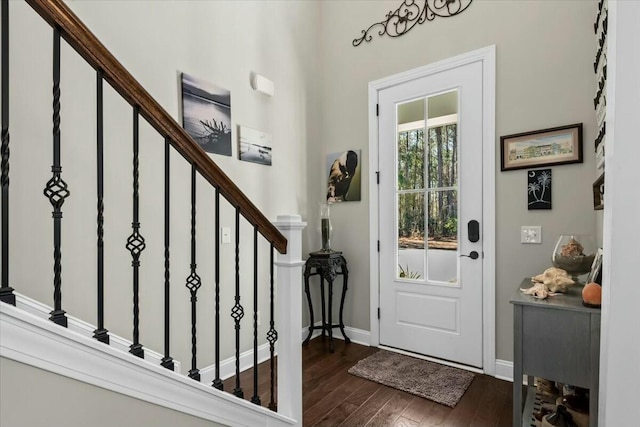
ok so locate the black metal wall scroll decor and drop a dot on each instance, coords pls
(410, 13)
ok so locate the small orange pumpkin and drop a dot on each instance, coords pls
(592, 294)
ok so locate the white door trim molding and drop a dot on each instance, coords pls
(487, 57)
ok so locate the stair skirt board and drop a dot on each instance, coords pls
(29, 338)
(227, 366)
(86, 329)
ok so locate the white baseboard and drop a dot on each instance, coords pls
(29, 339)
(357, 336)
(504, 370)
(86, 329)
(228, 366)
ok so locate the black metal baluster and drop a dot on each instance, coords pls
(193, 281)
(255, 398)
(135, 242)
(167, 361)
(217, 382)
(237, 312)
(6, 291)
(101, 334)
(56, 190)
(272, 335)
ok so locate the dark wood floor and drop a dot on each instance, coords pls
(332, 397)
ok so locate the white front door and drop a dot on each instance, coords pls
(430, 213)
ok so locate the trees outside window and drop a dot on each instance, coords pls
(427, 184)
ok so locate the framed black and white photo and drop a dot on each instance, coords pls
(206, 114)
(539, 189)
(255, 146)
(343, 184)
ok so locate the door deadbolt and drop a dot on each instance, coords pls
(473, 229)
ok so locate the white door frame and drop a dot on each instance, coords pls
(487, 57)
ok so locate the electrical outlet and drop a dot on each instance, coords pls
(531, 234)
(225, 235)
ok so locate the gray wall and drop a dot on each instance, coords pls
(545, 78)
(32, 397)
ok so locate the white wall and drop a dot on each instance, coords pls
(545, 78)
(64, 401)
(221, 42)
(620, 348)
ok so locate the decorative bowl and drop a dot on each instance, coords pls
(574, 253)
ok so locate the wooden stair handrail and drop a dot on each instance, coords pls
(58, 14)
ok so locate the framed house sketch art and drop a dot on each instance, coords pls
(546, 147)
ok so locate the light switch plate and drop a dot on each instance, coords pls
(226, 235)
(531, 234)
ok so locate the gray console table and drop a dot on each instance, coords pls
(557, 339)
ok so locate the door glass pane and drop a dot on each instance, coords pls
(427, 182)
(442, 256)
(442, 156)
(411, 159)
(411, 250)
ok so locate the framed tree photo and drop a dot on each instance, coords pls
(206, 114)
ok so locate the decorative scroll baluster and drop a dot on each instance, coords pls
(237, 312)
(272, 335)
(217, 382)
(101, 334)
(193, 281)
(56, 190)
(255, 398)
(6, 291)
(135, 242)
(167, 361)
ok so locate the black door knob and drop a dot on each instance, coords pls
(472, 255)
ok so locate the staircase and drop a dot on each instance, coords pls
(214, 309)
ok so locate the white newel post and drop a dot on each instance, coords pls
(289, 317)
